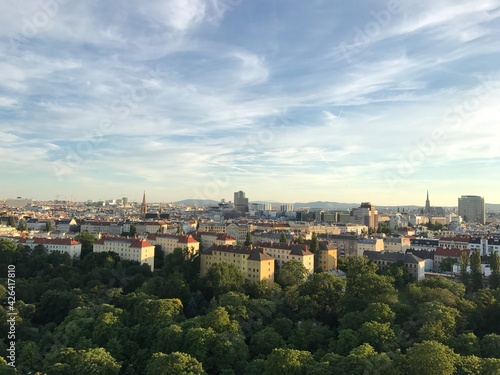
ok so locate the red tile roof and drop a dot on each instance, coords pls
(452, 252)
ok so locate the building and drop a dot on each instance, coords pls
(112, 228)
(144, 206)
(169, 242)
(366, 214)
(284, 252)
(19, 202)
(62, 245)
(326, 257)
(449, 252)
(213, 227)
(472, 209)
(209, 239)
(252, 262)
(454, 242)
(369, 244)
(135, 249)
(413, 266)
(425, 244)
(345, 244)
(396, 244)
(286, 207)
(240, 202)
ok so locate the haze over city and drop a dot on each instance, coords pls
(288, 101)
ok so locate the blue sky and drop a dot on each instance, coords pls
(287, 100)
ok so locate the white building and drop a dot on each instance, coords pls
(139, 250)
(62, 245)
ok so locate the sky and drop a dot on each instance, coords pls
(287, 100)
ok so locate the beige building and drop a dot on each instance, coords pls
(253, 263)
(413, 266)
(283, 253)
(169, 242)
(396, 244)
(112, 228)
(212, 227)
(210, 239)
(139, 250)
(369, 244)
(461, 242)
(448, 252)
(327, 257)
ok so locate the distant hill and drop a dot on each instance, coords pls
(198, 202)
(326, 205)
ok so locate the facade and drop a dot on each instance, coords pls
(345, 244)
(326, 257)
(240, 202)
(209, 239)
(369, 244)
(169, 242)
(283, 253)
(472, 209)
(253, 263)
(237, 231)
(448, 252)
(212, 227)
(62, 245)
(396, 244)
(18, 202)
(139, 250)
(425, 244)
(112, 228)
(413, 266)
(366, 214)
(454, 242)
(150, 227)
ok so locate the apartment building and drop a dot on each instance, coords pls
(327, 257)
(369, 244)
(112, 228)
(169, 242)
(449, 252)
(252, 262)
(136, 249)
(62, 245)
(209, 239)
(396, 244)
(284, 252)
(412, 265)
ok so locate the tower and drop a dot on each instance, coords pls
(144, 206)
(427, 205)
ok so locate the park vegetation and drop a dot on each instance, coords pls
(103, 315)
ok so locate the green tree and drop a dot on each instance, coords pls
(490, 345)
(248, 239)
(96, 361)
(464, 275)
(22, 226)
(446, 264)
(301, 239)
(476, 271)
(12, 222)
(288, 362)
(223, 278)
(379, 335)
(283, 238)
(48, 226)
(430, 358)
(291, 273)
(495, 270)
(314, 247)
(364, 360)
(263, 342)
(176, 363)
(87, 240)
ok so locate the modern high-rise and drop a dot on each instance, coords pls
(472, 208)
(240, 202)
(366, 214)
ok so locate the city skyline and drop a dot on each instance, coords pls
(287, 101)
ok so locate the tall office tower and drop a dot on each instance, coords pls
(144, 206)
(472, 208)
(366, 214)
(125, 201)
(240, 202)
(428, 205)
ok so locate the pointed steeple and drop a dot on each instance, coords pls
(144, 206)
(427, 205)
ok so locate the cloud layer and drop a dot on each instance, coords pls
(285, 100)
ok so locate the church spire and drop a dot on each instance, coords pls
(144, 206)
(427, 205)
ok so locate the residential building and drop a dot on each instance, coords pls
(62, 245)
(135, 249)
(449, 252)
(426, 244)
(472, 209)
(211, 226)
(252, 262)
(413, 266)
(369, 244)
(169, 242)
(112, 228)
(461, 242)
(209, 239)
(396, 244)
(284, 252)
(345, 244)
(326, 257)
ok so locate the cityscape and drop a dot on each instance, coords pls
(234, 187)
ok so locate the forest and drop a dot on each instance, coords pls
(103, 315)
